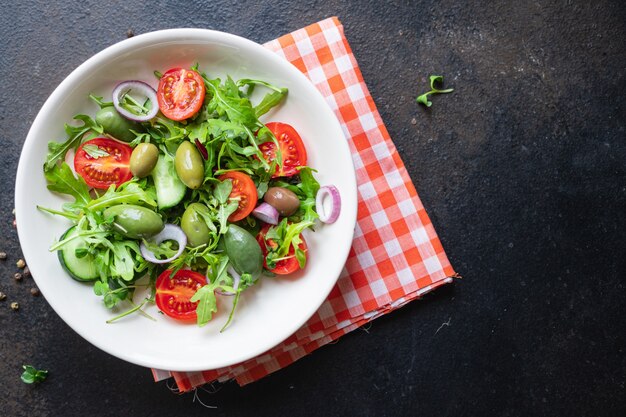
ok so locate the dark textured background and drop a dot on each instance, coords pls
(522, 171)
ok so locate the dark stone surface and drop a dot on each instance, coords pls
(522, 170)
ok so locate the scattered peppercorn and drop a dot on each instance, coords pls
(15, 306)
(3, 255)
(3, 296)
(130, 33)
(20, 263)
(34, 292)
(18, 276)
(26, 272)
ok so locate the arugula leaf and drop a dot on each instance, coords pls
(166, 131)
(123, 264)
(94, 151)
(286, 235)
(32, 375)
(111, 297)
(232, 310)
(61, 179)
(222, 190)
(226, 100)
(57, 150)
(218, 279)
(434, 79)
(270, 100)
(207, 303)
(163, 250)
(309, 184)
(100, 101)
(129, 193)
(129, 103)
(224, 211)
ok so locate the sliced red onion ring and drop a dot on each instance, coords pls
(236, 281)
(267, 213)
(169, 232)
(141, 88)
(330, 192)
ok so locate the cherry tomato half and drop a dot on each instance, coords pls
(103, 161)
(244, 190)
(286, 266)
(172, 295)
(180, 93)
(291, 146)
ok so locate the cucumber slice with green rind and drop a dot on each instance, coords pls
(81, 269)
(170, 189)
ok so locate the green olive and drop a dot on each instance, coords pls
(194, 225)
(116, 125)
(133, 221)
(189, 165)
(244, 251)
(143, 159)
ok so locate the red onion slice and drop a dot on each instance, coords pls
(267, 213)
(169, 232)
(328, 192)
(141, 88)
(202, 150)
(236, 281)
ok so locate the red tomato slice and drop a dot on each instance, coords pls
(291, 146)
(243, 189)
(172, 295)
(105, 162)
(180, 93)
(286, 266)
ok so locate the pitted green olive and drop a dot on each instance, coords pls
(189, 165)
(243, 250)
(133, 221)
(194, 225)
(143, 159)
(116, 125)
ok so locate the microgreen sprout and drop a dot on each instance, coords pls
(435, 80)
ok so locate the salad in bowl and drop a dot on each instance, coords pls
(190, 183)
(184, 185)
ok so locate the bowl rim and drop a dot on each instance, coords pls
(148, 39)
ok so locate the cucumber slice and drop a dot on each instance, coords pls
(170, 189)
(81, 269)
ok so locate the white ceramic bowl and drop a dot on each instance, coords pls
(268, 313)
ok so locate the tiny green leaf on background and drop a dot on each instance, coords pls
(32, 375)
(434, 80)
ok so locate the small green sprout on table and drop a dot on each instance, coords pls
(434, 80)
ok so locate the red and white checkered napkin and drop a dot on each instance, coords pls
(396, 255)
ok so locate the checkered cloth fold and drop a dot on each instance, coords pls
(396, 255)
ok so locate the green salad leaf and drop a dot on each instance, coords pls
(434, 81)
(228, 127)
(33, 375)
(128, 193)
(57, 150)
(286, 235)
(61, 179)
